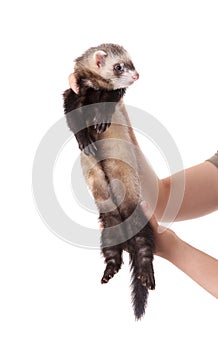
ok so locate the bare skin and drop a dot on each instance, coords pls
(198, 265)
(200, 192)
(199, 188)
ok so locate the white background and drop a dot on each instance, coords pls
(51, 296)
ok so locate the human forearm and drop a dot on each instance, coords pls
(187, 194)
(184, 195)
(200, 191)
(198, 265)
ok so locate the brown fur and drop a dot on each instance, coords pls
(111, 164)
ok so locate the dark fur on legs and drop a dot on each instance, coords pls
(125, 228)
(98, 117)
(140, 248)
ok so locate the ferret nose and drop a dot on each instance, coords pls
(135, 76)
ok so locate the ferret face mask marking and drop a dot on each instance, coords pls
(106, 66)
(121, 73)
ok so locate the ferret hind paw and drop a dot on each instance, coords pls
(109, 273)
(146, 276)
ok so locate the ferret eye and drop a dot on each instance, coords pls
(118, 68)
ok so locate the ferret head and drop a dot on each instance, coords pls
(107, 66)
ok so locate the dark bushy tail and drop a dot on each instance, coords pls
(139, 292)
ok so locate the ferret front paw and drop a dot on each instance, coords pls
(86, 143)
(102, 118)
(102, 127)
(90, 149)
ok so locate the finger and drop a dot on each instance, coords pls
(101, 226)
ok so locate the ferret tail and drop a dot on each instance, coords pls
(139, 292)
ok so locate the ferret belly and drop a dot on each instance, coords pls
(113, 178)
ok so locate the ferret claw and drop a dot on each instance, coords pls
(91, 149)
(147, 280)
(109, 273)
(103, 280)
(100, 128)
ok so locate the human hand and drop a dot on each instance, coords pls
(165, 238)
(198, 265)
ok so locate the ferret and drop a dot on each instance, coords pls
(110, 163)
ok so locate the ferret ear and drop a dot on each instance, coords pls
(99, 57)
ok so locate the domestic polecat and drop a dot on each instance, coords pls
(110, 163)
